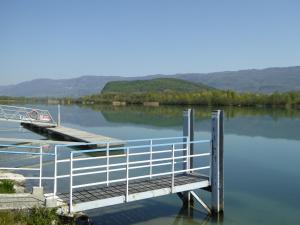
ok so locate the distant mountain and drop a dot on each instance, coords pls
(155, 85)
(264, 80)
(75, 87)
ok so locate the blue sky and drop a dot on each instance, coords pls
(64, 38)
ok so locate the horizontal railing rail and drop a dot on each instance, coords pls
(123, 141)
(135, 146)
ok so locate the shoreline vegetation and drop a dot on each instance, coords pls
(7, 187)
(203, 98)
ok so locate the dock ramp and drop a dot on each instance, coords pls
(26, 115)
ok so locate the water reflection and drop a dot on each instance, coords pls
(243, 121)
(263, 122)
(261, 169)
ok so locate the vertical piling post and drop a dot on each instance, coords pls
(188, 131)
(58, 115)
(217, 166)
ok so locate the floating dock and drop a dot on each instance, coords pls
(71, 134)
(41, 122)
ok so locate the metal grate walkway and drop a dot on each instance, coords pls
(100, 196)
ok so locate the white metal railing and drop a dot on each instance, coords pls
(23, 114)
(24, 150)
(131, 158)
(159, 157)
(132, 142)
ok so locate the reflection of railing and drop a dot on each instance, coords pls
(26, 150)
(27, 115)
(151, 160)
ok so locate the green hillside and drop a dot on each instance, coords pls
(154, 85)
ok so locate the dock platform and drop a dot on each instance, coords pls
(71, 134)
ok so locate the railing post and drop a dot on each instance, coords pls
(55, 172)
(107, 164)
(217, 172)
(127, 173)
(71, 184)
(58, 115)
(151, 143)
(41, 166)
(173, 168)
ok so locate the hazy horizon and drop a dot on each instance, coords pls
(64, 78)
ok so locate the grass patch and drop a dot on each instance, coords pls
(7, 187)
(11, 218)
(42, 216)
(35, 216)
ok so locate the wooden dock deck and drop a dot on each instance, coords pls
(71, 134)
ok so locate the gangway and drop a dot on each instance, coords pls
(26, 115)
(141, 172)
(136, 171)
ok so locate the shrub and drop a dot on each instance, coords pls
(7, 186)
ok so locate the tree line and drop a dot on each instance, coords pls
(203, 98)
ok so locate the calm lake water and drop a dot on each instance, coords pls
(262, 161)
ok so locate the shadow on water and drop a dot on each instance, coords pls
(148, 213)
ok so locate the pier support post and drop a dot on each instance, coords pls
(217, 162)
(188, 131)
